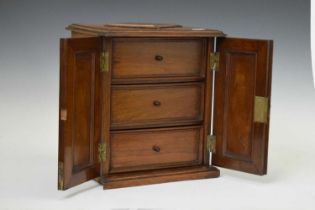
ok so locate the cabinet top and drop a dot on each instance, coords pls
(143, 30)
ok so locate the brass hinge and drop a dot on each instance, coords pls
(214, 61)
(261, 109)
(104, 62)
(63, 114)
(101, 152)
(211, 143)
(60, 176)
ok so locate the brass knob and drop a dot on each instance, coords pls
(158, 58)
(156, 148)
(156, 103)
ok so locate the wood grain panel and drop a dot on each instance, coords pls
(144, 105)
(79, 129)
(159, 176)
(83, 114)
(106, 31)
(152, 58)
(155, 148)
(245, 72)
(240, 87)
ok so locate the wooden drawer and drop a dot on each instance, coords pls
(155, 148)
(138, 106)
(156, 58)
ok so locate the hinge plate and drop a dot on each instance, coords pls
(211, 143)
(104, 62)
(101, 152)
(261, 109)
(63, 114)
(60, 176)
(214, 61)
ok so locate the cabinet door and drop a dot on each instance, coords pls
(242, 104)
(79, 119)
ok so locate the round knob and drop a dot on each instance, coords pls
(158, 58)
(156, 103)
(156, 148)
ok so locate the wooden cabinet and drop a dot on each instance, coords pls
(150, 103)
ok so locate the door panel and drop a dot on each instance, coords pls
(245, 72)
(79, 124)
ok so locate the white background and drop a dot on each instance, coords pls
(29, 63)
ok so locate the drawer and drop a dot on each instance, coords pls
(139, 106)
(156, 58)
(155, 148)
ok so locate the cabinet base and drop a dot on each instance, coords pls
(158, 176)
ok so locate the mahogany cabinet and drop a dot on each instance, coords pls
(152, 103)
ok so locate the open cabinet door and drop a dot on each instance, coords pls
(79, 119)
(242, 101)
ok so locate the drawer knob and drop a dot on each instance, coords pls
(158, 58)
(156, 103)
(156, 148)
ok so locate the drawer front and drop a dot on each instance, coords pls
(155, 148)
(154, 105)
(152, 58)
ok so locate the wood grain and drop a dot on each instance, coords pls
(154, 58)
(245, 72)
(155, 148)
(79, 96)
(134, 106)
(108, 31)
(159, 176)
